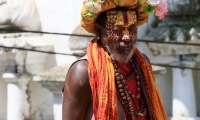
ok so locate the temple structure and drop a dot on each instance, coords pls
(181, 25)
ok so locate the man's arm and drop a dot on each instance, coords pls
(77, 92)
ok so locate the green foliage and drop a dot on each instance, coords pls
(89, 14)
(149, 9)
(192, 22)
(155, 22)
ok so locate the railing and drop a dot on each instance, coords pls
(81, 35)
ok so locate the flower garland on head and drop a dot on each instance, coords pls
(158, 7)
(161, 9)
(93, 7)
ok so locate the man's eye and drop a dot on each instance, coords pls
(133, 29)
(115, 29)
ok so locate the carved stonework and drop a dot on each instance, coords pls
(183, 6)
(182, 13)
(22, 61)
(78, 44)
(181, 24)
(19, 14)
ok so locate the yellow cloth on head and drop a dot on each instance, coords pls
(88, 22)
(102, 81)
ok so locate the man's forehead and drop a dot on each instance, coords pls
(121, 17)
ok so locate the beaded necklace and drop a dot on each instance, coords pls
(125, 95)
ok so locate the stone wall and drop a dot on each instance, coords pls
(59, 16)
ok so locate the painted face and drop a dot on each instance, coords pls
(120, 34)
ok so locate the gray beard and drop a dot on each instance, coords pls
(122, 57)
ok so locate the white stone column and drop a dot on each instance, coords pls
(164, 83)
(183, 104)
(3, 99)
(41, 102)
(18, 98)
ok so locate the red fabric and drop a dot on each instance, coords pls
(126, 69)
(102, 83)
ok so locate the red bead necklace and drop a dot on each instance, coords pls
(125, 95)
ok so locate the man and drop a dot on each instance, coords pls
(114, 81)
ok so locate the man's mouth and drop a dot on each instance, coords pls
(124, 44)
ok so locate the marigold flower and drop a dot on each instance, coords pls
(92, 7)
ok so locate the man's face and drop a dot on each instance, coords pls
(120, 34)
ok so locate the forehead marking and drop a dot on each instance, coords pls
(125, 18)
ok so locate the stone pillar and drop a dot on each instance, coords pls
(41, 101)
(164, 83)
(57, 106)
(197, 88)
(183, 103)
(54, 87)
(3, 99)
(18, 98)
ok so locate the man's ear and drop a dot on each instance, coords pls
(98, 28)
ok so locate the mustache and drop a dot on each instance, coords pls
(120, 44)
(120, 48)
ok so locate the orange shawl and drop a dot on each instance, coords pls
(101, 77)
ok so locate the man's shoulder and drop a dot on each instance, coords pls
(145, 56)
(77, 76)
(79, 66)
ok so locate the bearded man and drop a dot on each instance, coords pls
(114, 81)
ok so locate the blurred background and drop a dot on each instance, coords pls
(40, 39)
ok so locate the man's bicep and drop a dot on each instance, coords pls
(77, 92)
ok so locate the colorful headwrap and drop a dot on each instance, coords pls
(92, 8)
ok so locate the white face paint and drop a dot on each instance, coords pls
(121, 37)
(121, 45)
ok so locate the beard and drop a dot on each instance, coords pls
(121, 51)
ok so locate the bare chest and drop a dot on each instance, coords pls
(90, 115)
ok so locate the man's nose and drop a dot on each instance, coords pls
(125, 37)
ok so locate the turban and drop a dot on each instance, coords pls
(92, 8)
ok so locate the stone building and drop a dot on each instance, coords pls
(180, 89)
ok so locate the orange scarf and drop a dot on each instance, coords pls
(102, 81)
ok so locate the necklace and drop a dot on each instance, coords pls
(125, 95)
